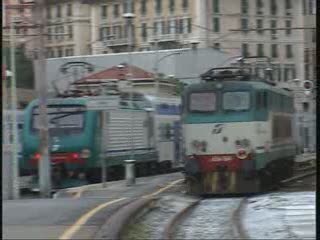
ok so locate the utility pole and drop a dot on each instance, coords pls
(129, 16)
(156, 74)
(44, 167)
(14, 163)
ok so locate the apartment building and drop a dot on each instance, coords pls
(165, 24)
(284, 47)
(78, 27)
(68, 28)
(309, 20)
(18, 15)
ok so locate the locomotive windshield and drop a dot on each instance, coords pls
(236, 101)
(61, 119)
(202, 102)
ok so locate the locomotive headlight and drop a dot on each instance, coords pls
(85, 153)
(242, 154)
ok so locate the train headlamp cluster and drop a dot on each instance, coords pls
(85, 153)
(242, 146)
(199, 145)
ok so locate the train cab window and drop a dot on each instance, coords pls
(236, 101)
(202, 102)
(261, 100)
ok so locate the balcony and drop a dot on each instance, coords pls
(172, 37)
(117, 42)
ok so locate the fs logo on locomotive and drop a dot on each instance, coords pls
(217, 129)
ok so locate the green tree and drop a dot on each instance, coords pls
(24, 68)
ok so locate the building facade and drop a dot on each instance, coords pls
(283, 46)
(17, 15)
(68, 28)
(98, 27)
(162, 24)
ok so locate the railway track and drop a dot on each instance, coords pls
(181, 217)
(305, 173)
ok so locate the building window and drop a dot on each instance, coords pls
(171, 6)
(273, 24)
(245, 49)
(158, 6)
(313, 37)
(260, 50)
(244, 25)
(288, 25)
(260, 26)
(163, 27)
(49, 34)
(69, 10)
(273, 7)
(56, 30)
(274, 50)
(185, 5)
(101, 34)
(132, 7)
(21, 10)
(48, 13)
(59, 11)
(306, 55)
(62, 32)
(289, 53)
(70, 32)
(60, 52)
(215, 6)
(143, 7)
(116, 11)
(172, 26)
(304, 6)
(216, 24)
(310, 7)
(144, 33)
(244, 6)
(216, 46)
(189, 25)
(307, 71)
(104, 11)
(125, 7)
(180, 26)
(279, 73)
(286, 74)
(259, 6)
(288, 7)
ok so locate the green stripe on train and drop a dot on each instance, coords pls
(262, 159)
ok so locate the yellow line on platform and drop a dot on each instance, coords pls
(84, 218)
(68, 234)
(164, 188)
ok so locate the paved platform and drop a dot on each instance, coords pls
(77, 213)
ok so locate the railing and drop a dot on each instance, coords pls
(171, 37)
